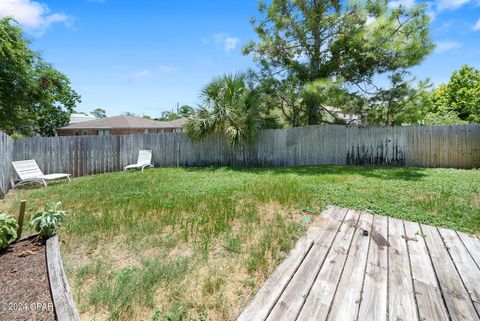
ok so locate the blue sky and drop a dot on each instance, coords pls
(144, 56)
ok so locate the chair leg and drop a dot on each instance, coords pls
(44, 182)
(13, 184)
(68, 177)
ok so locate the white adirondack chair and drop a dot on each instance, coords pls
(29, 172)
(144, 160)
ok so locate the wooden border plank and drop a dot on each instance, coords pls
(65, 308)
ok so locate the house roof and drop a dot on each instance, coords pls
(78, 118)
(124, 121)
(177, 123)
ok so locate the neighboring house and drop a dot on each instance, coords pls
(78, 118)
(339, 114)
(122, 125)
(177, 123)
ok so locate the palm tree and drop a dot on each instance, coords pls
(229, 106)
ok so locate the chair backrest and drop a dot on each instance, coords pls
(144, 157)
(27, 169)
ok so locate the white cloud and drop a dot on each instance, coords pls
(403, 3)
(476, 27)
(141, 76)
(166, 69)
(444, 46)
(34, 16)
(221, 40)
(431, 11)
(451, 4)
(230, 43)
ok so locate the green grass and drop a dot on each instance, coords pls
(195, 243)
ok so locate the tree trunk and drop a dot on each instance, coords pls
(312, 113)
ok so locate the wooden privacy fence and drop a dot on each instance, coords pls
(6, 154)
(423, 146)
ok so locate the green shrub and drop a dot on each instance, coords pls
(8, 230)
(48, 221)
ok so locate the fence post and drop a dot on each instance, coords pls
(178, 154)
(21, 216)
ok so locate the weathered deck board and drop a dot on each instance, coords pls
(458, 303)
(320, 298)
(464, 263)
(374, 297)
(473, 246)
(348, 298)
(427, 292)
(398, 271)
(268, 296)
(401, 298)
(292, 299)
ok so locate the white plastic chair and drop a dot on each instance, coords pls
(144, 160)
(29, 172)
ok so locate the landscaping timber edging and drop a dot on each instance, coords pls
(65, 308)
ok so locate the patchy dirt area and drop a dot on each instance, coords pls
(219, 286)
(24, 286)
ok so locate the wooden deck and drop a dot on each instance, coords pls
(399, 271)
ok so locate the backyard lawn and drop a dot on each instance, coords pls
(196, 243)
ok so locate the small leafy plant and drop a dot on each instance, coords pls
(8, 230)
(48, 221)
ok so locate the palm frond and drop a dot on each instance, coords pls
(229, 107)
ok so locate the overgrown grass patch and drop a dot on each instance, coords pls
(196, 243)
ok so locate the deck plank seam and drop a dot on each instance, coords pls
(343, 267)
(410, 268)
(435, 272)
(365, 268)
(468, 251)
(458, 272)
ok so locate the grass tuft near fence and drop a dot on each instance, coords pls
(195, 244)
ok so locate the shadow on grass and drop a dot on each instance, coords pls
(379, 172)
(39, 186)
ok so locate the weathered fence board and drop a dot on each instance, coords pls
(422, 146)
(6, 157)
